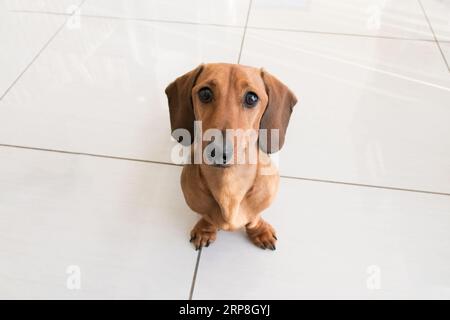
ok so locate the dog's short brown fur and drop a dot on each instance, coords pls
(232, 197)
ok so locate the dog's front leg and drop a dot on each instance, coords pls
(203, 234)
(261, 233)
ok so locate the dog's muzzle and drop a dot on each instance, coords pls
(220, 154)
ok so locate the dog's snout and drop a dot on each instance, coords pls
(220, 152)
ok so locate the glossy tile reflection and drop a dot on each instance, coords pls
(226, 12)
(438, 12)
(55, 6)
(400, 18)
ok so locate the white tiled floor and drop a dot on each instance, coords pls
(84, 67)
(438, 11)
(225, 12)
(361, 107)
(23, 35)
(123, 223)
(373, 112)
(327, 250)
(399, 18)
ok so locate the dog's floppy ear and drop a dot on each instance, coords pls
(180, 103)
(277, 113)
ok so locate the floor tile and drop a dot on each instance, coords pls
(123, 223)
(336, 242)
(446, 50)
(370, 110)
(100, 88)
(438, 12)
(23, 35)
(226, 12)
(57, 6)
(400, 18)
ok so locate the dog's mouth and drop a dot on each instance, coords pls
(222, 165)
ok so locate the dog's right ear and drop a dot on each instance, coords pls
(181, 109)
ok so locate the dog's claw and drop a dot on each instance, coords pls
(263, 235)
(192, 238)
(208, 243)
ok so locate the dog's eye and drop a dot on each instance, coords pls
(205, 95)
(251, 99)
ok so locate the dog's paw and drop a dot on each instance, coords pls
(263, 235)
(203, 234)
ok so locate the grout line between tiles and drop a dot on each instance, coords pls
(180, 165)
(434, 35)
(32, 61)
(245, 31)
(235, 26)
(194, 278)
(90, 155)
(366, 185)
(39, 52)
(329, 33)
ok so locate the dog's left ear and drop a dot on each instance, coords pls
(277, 113)
(179, 94)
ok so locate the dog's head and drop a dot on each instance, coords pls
(228, 96)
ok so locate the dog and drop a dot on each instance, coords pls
(229, 195)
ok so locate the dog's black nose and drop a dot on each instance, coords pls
(227, 155)
(220, 154)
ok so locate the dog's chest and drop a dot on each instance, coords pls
(230, 191)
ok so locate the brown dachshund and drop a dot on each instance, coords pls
(227, 193)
